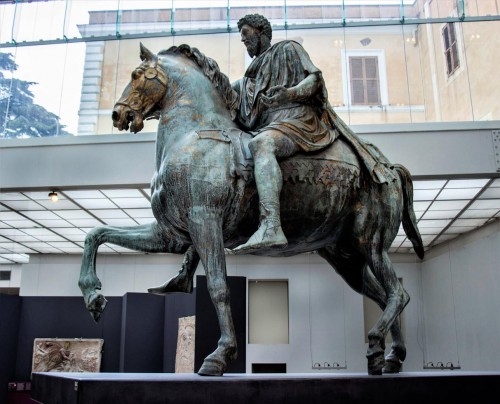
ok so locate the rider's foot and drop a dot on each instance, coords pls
(269, 235)
(182, 284)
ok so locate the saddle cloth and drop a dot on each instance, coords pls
(314, 167)
(241, 162)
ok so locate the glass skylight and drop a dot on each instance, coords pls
(31, 224)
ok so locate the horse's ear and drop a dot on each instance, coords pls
(146, 54)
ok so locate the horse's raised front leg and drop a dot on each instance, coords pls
(205, 228)
(183, 281)
(144, 238)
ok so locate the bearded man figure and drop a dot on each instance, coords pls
(283, 102)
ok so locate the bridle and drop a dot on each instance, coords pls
(150, 73)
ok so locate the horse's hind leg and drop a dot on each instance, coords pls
(145, 238)
(396, 301)
(205, 228)
(352, 266)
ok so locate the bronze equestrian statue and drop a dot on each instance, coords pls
(331, 192)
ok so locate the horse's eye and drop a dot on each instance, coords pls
(136, 74)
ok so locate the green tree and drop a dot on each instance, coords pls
(19, 116)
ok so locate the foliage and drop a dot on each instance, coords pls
(20, 117)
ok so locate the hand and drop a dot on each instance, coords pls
(277, 95)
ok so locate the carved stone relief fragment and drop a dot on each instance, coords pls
(184, 359)
(67, 355)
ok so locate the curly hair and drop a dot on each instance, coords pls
(257, 21)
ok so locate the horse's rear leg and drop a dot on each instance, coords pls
(396, 301)
(352, 267)
(205, 229)
(144, 238)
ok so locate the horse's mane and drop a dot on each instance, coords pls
(211, 70)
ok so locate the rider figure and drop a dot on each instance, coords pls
(283, 103)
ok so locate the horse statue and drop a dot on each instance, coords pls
(205, 202)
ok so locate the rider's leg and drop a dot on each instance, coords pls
(266, 147)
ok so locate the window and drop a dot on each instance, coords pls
(4, 275)
(450, 48)
(365, 84)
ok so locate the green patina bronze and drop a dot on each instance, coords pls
(266, 162)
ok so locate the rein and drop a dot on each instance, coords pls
(150, 73)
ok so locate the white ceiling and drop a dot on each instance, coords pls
(32, 224)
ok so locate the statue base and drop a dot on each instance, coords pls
(152, 388)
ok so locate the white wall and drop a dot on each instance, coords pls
(57, 275)
(326, 316)
(452, 315)
(461, 295)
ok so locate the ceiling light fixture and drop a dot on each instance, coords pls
(53, 196)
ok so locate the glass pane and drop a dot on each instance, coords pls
(413, 63)
(273, 10)
(360, 11)
(418, 80)
(312, 12)
(42, 93)
(7, 13)
(39, 20)
(111, 74)
(440, 214)
(358, 92)
(446, 37)
(372, 92)
(383, 45)
(458, 193)
(8, 86)
(446, 96)
(87, 18)
(138, 17)
(474, 183)
(199, 14)
(452, 34)
(438, 9)
(480, 43)
(481, 8)
(371, 68)
(356, 67)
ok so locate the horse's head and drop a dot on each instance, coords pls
(141, 98)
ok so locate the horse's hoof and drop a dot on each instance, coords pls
(96, 306)
(212, 367)
(374, 372)
(175, 284)
(392, 366)
(376, 363)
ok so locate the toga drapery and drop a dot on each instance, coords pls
(312, 124)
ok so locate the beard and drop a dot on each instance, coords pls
(253, 48)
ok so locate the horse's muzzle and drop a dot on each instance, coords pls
(124, 118)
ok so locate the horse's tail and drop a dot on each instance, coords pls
(409, 219)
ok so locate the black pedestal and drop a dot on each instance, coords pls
(124, 388)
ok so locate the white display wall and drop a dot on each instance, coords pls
(452, 316)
